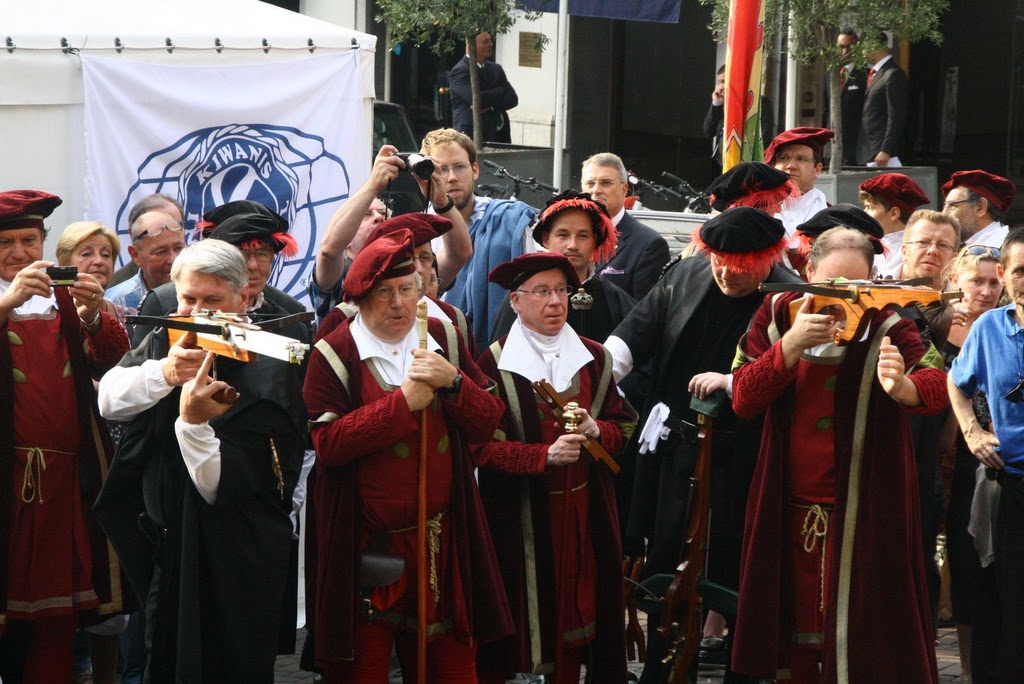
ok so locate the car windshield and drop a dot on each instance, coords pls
(391, 127)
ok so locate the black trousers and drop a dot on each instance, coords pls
(1010, 578)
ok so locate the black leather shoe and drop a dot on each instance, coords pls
(712, 650)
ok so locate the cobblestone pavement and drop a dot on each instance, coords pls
(288, 672)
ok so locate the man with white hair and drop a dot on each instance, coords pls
(205, 461)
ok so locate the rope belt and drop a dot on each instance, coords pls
(574, 489)
(35, 465)
(815, 527)
(434, 548)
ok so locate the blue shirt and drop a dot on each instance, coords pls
(992, 361)
(128, 295)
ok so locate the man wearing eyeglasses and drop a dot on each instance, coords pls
(370, 391)
(641, 252)
(157, 240)
(551, 506)
(798, 152)
(929, 244)
(499, 229)
(979, 200)
(992, 361)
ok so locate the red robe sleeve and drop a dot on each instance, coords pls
(761, 376)
(108, 344)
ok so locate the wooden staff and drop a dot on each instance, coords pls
(564, 582)
(421, 522)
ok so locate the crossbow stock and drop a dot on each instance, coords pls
(850, 301)
(232, 335)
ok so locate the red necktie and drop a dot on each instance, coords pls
(871, 76)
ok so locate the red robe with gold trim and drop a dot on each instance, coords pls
(55, 558)
(878, 625)
(376, 431)
(592, 556)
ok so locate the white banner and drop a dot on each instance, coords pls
(287, 134)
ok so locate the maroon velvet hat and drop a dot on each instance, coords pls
(26, 208)
(424, 227)
(389, 256)
(995, 189)
(605, 236)
(815, 138)
(751, 184)
(896, 189)
(512, 274)
(744, 238)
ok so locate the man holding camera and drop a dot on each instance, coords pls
(57, 572)
(499, 230)
(362, 212)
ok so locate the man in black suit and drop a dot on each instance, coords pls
(642, 251)
(853, 81)
(716, 113)
(884, 117)
(497, 95)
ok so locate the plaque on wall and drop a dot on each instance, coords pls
(531, 46)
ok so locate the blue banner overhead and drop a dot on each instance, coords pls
(664, 11)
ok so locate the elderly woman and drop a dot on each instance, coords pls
(93, 248)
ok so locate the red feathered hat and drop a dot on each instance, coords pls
(605, 236)
(744, 239)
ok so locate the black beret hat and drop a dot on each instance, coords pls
(746, 179)
(239, 229)
(744, 238)
(847, 216)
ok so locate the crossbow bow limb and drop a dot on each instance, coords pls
(232, 335)
(850, 301)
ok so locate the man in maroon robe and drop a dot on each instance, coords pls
(832, 582)
(56, 570)
(367, 384)
(551, 508)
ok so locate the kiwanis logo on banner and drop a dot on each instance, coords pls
(287, 134)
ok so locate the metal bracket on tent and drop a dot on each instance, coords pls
(118, 44)
(218, 44)
(170, 45)
(11, 47)
(354, 42)
(266, 45)
(310, 43)
(65, 47)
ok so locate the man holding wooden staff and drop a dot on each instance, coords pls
(367, 389)
(550, 502)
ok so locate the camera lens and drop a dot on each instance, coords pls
(417, 164)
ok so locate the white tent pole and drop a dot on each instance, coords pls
(561, 85)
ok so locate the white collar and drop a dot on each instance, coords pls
(34, 306)
(618, 217)
(394, 357)
(522, 357)
(879, 63)
(991, 235)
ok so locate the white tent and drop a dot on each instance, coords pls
(41, 91)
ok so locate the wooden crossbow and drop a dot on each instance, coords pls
(850, 301)
(233, 336)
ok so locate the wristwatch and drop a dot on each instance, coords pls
(446, 208)
(456, 385)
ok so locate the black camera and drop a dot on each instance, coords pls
(62, 276)
(417, 164)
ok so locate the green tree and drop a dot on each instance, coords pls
(445, 24)
(813, 25)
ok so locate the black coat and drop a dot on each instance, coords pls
(713, 126)
(496, 93)
(884, 117)
(216, 572)
(639, 257)
(653, 331)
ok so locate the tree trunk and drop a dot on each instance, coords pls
(474, 86)
(836, 116)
